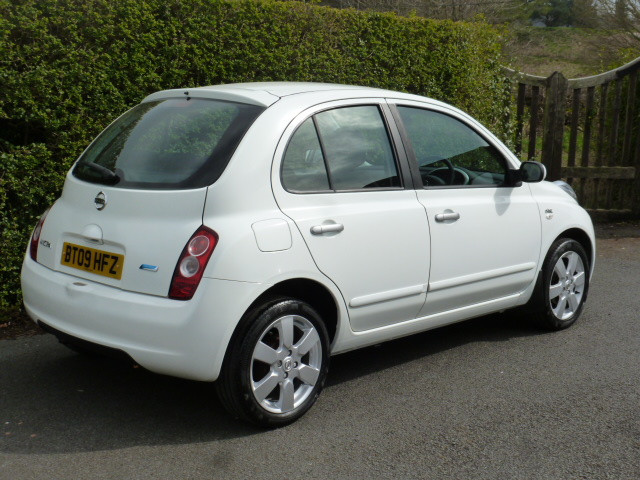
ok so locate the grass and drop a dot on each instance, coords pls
(576, 52)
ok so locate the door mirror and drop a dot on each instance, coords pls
(532, 172)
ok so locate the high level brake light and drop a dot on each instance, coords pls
(191, 264)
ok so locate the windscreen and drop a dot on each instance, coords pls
(167, 144)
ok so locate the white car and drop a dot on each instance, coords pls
(244, 233)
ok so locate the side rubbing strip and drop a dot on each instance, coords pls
(479, 277)
(386, 296)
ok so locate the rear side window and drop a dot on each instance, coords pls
(168, 144)
(341, 149)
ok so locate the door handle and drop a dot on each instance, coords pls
(443, 217)
(330, 228)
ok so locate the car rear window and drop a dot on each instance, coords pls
(167, 144)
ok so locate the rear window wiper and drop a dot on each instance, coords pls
(92, 172)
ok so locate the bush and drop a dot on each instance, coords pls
(69, 67)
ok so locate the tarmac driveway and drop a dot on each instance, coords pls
(491, 398)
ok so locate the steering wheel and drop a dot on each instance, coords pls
(451, 174)
(451, 171)
(426, 170)
(431, 180)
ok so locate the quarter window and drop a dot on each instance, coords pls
(303, 167)
(340, 149)
(449, 152)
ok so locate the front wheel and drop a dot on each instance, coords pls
(564, 286)
(277, 364)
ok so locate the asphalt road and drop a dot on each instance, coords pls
(491, 398)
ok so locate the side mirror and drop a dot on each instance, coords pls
(532, 172)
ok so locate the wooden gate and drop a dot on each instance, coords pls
(585, 131)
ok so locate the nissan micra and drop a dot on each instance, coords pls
(245, 233)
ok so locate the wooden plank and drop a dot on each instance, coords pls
(630, 113)
(608, 197)
(588, 120)
(533, 124)
(635, 197)
(554, 115)
(602, 117)
(611, 173)
(615, 127)
(522, 90)
(606, 77)
(597, 199)
(525, 78)
(575, 120)
(600, 215)
(612, 141)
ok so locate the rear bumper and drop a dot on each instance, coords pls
(185, 339)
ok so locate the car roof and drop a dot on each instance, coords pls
(267, 93)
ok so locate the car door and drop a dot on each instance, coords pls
(341, 183)
(485, 231)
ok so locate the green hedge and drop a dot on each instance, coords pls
(69, 67)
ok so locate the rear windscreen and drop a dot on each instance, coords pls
(167, 144)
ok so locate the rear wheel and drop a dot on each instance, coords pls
(564, 287)
(276, 366)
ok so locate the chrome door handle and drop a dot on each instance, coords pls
(330, 228)
(443, 217)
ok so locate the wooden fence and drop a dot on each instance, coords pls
(587, 132)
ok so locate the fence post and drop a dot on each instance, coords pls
(554, 116)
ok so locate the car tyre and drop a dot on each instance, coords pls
(562, 291)
(276, 363)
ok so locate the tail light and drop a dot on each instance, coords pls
(191, 264)
(35, 236)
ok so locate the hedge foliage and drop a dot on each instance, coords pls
(69, 67)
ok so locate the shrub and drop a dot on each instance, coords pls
(69, 67)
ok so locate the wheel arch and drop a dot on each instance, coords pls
(577, 234)
(583, 239)
(303, 289)
(308, 291)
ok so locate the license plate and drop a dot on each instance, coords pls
(92, 260)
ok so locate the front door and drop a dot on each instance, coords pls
(485, 239)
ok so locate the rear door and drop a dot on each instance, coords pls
(341, 183)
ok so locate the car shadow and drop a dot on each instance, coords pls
(498, 327)
(63, 402)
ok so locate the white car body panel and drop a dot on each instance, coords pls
(350, 340)
(386, 271)
(184, 339)
(558, 214)
(380, 261)
(147, 226)
(492, 249)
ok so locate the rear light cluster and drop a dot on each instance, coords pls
(35, 236)
(191, 264)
